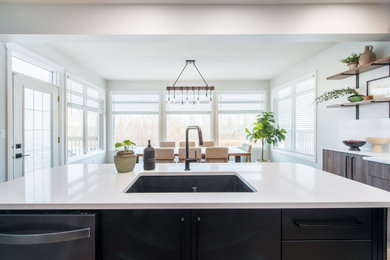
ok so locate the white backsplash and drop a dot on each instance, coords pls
(360, 129)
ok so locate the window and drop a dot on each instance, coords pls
(180, 116)
(135, 117)
(237, 111)
(32, 70)
(85, 116)
(295, 112)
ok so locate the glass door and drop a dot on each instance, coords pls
(35, 126)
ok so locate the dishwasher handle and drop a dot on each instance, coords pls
(44, 238)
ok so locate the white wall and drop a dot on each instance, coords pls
(337, 124)
(3, 84)
(194, 19)
(231, 85)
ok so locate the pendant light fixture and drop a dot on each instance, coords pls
(208, 89)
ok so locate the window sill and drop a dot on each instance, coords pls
(309, 158)
(85, 156)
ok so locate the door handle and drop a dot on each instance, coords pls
(346, 166)
(20, 155)
(326, 223)
(198, 248)
(182, 230)
(352, 166)
(44, 238)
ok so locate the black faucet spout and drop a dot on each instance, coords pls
(188, 160)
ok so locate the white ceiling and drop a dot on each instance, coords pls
(217, 57)
(197, 1)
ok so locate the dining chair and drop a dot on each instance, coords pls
(167, 144)
(247, 148)
(190, 144)
(164, 155)
(192, 150)
(217, 154)
(207, 144)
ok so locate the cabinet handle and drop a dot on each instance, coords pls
(198, 242)
(44, 238)
(326, 223)
(346, 165)
(352, 164)
(182, 230)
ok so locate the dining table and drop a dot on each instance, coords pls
(235, 151)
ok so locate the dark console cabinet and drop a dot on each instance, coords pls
(347, 165)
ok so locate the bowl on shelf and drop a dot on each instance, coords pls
(354, 144)
(356, 98)
(376, 143)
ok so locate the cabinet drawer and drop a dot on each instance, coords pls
(326, 250)
(313, 224)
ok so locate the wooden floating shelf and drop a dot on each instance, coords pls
(370, 66)
(361, 103)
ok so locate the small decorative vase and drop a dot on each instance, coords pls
(367, 56)
(125, 161)
(352, 65)
(356, 98)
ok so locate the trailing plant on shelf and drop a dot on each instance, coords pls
(335, 94)
(266, 131)
(352, 61)
(124, 159)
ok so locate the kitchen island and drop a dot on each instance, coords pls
(294, 212)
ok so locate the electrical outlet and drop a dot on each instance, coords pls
(2, 133)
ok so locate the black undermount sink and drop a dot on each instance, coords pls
(189, 183)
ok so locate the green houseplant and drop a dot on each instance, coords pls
(352, 61)
(337, 93)
(125, 159)
(266, 131)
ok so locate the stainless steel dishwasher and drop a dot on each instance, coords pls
(47, 236)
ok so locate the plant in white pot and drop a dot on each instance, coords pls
(125, 159)
(352, 61)
(266, 131)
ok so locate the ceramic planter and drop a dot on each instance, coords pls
(125, 161)
(352, 65)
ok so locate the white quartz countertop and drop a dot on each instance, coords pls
(98, 186)
(369, 156)
(363, 153)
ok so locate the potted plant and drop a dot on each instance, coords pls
(337, 93)
(266, 131)
(352, 61)
(125, 159)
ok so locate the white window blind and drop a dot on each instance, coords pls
(295, 111)
(84, 96)
(85, 117)
(237, 111)
(237, 102)
(135, 116)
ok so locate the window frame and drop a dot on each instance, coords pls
(247, 92)
(85, 109)
(129, 92)
(274, 108)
